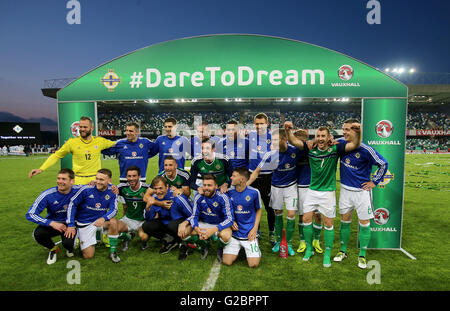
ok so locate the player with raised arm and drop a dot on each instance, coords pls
(321, 194)
(247, 204)
(356, 191)
(133, 151)
(303, 181)
(85, 149)
(55, 201)
(92, 207)
(282, 160)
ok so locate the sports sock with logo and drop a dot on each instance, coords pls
(113, 241)
(364, 238)
(344, 233)
(279, 227)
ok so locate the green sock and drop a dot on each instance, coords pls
(317, 228)
(344, 233)
(290, 228)
(196, 240)
(329, 240)
(279, 227)
(113, 240)
(364, 239)
(125, 236)
(222, 244)
(308, 233)
(300, 230)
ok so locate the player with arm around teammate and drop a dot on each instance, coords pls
(246, 203)
(356, 191)
(92, 207)
(321, 194)
(55, 200)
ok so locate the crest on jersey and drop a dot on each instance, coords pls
(381, 216)
(209, 210)
(107, 197)
(347, 160)
(287, 165)
(215, 204)
(293, 155)
(384, 128)
(98, 205)
(232, 153)
(357, 155)
(218, 167)
(239, 207)
(170, 150)
(141, 145)
(247, 198)
(134, 153)
(178, 142)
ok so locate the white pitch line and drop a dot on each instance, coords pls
(213, 276)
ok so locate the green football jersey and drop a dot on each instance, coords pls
(323, 165)
(180, 180)
(221, 168)
(134, 200)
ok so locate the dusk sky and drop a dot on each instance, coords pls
(37, 43)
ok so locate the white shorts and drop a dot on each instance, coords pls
(301, 198)
(323, 201)
(133, 225)
(205, 225)
(87, 237)
(251, 248)
(284, 196)
(361, 201)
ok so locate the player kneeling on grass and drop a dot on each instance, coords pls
(162, 222)
(55, 200)
(246, 203)
(90, 208)
(131, 195)
(211, 217)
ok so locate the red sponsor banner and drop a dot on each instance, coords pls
(107, 133)
(432, 133)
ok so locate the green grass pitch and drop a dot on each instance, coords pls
(425, 233)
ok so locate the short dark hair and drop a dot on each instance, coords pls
(209, 141)
(324, 128)
(67, 171)
(136, 126)
(134, 168)
(209, 177)
(170, 157)
(105, 171)
(170, 119)
(157, 180)
(351, 120)
(243, 172)
(262, 115)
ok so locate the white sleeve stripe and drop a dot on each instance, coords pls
(32, 212)
(69, 208)
(186, 204)
(382, 164)
(228, 210)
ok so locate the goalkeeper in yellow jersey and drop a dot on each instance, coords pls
(86, 152)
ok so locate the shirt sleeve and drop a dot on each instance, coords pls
(193, 177)
(380, 161)
(36, 209)
(153, 148)
(72, 208)
(185, 206)
(340, 147)
(112, 208)
(106, 143)
(193, 220)
(226, 208)
(59, 154)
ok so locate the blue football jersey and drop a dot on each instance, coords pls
(215, 210)
(171, 146)
(245, 205)
(56, 204)
(303, 172)
(356, 167)
(181, 208)
(283, 165)
(237, 151)
(133, 154)
(90, 204)
(259, 145)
